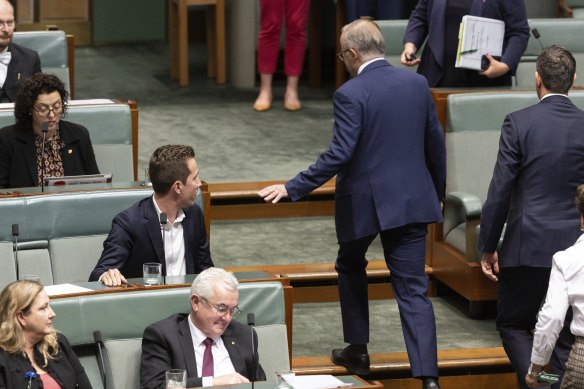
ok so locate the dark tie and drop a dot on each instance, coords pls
(208, 359)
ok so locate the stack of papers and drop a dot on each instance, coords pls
(314, 381)
(55, 290)
(478, 36)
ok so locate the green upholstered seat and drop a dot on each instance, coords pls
(52, 49)
(559, 31)
(393, 34)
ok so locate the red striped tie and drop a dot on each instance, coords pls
(208, 358)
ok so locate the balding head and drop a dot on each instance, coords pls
(6, 23)
(365, 37)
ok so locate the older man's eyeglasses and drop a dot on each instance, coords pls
(44, 110)
(7, 23)
(341, 54)
(222, 309)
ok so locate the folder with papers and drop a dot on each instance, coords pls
(478, 36)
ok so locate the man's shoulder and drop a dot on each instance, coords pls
(17, 49)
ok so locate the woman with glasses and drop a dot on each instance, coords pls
(40, 144)
(32, 354)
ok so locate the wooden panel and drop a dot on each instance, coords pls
(479, 381)
(63, 9)
(264, 210)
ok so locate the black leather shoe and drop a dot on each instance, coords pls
(356, 363)
(430, 383)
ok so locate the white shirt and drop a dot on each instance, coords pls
(174, 244)
(221, 361)
(3, 70)
(566, 287)
(553, 94)
(363, 65)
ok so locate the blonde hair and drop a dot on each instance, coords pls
(18, 297)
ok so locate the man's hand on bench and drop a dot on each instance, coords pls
(113, 277)
(273, 193)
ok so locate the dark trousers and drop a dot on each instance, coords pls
(405, 251)
(377, 9)
(521, 293)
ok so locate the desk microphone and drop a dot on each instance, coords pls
(536, 35)
(163, 222)
(251, 323)
(15, 234)
(44, 129)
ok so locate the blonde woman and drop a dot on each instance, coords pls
(32, 354)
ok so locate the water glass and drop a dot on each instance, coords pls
(176, 378)
(152, 273)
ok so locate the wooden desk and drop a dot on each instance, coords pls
(356, 382)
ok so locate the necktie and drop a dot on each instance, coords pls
(5, 58)
(208, 359)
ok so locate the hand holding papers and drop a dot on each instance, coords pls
(478, 36)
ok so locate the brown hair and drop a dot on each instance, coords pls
(168, 164)
(16, 297)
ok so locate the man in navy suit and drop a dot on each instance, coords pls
(17, 63)
(181, 340)
(389, 157)
(539, 165)
(137, 234)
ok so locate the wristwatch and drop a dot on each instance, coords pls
(534, 371)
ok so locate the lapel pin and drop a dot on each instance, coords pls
(70, 151)
(18, 76)
(232, 342)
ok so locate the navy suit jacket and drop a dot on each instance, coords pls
(428, 20)
(168, 344)
(24, 63)
(387, 151)
(18, 167)
(539, 165)
(135, 239)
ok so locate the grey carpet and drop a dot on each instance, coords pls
(234, 143)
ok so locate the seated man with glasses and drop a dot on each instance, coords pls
(40, 144)
(207, 343)
(17, 63)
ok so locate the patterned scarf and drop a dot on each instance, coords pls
(53, 163)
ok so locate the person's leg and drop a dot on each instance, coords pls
(520, 294)
(271, 19)
(405, 255)
(351, 267)
(296, 21)
(389, 9)
(353, 296)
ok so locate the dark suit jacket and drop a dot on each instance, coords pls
(428, 20)
(387, 151)
(24, 63)
(168, 344)
(539, 165)
(18, 166)
(135, 239)
(65, 369)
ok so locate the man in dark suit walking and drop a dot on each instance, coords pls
(17, 63)
(389, 157)
(207, 343)
(139, 235)
(539, 165)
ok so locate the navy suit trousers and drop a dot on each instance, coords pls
(404, 250)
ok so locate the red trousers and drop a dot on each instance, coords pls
(272, 15)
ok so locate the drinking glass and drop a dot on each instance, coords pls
(152, 273)
(176, 378)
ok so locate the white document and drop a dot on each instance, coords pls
(54, 290)
(478, 36)
(314, 381)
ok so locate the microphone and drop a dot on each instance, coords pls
(163, 222)
(536, 35)
(100, 363)
(44, 129)
(251, 323)
(15, 234)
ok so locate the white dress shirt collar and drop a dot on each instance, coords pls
(364, 65)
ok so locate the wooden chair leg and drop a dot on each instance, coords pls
(220, 42)
(183, 44)
(173, 38)
(211, 42)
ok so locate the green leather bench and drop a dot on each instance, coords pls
(122, 317)
(393, 33)
(113, 127)
(560, 31)
(53, 50)
(473, 129)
